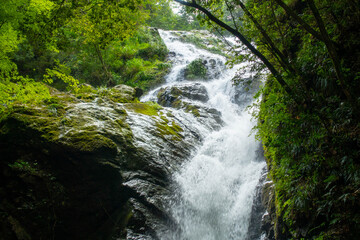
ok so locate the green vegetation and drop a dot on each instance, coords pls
(163, 17)
(195, 70)
(65, 44)
(137, 61)
(308, 118)
(191, 108)
(165, 129)
(148, 108)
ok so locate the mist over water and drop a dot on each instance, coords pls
(216, 187)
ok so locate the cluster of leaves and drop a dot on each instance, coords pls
(17, 89)
(314, 168)
(139, 60)
(65, 43)
(162, 16)
(195, 70)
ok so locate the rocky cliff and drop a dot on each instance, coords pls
(93, 166)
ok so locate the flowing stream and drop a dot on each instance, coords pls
(216, 187)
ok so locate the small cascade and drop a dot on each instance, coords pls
(215, 188)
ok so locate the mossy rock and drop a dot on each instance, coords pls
(167, 129)
(122, 94)
(196, 70)
(191, 108)
(86, 92)
(89, 142)
(119, 93)
(148, 108)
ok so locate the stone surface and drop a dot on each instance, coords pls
(183, 96)
(94, 167)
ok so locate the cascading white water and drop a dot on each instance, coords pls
(216, 187)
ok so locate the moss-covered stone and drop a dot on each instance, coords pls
(169, 129)
(69, 165)
(148, 108)
(191, 108)
(90, 142)
(122, 94)
(196, 70)
(61, 168)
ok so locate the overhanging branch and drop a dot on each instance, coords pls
(237, 34)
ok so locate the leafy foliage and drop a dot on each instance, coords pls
(65, 43)
(18, 89)
(196, 69)
(162, 16)
(307, 145)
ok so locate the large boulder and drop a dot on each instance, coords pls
(195, 70)
(204, 69)
(169, 95)
(190, 98)
(94, 166)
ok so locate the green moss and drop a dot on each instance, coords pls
(148, 108)
(192, 109)
(86, 92)
(177, 104)
(169, 114)
(39, 120)
(90, 142)
(173, 130)
(121, 94)
(164, 119)
(86, 96)
(176, 92)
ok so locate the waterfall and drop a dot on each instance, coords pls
(216, 187)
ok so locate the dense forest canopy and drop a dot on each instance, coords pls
(65, 43)
(308, 116)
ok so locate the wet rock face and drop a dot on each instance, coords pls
(95, 168)
(257, 212)
(272, 225)
(190, 97)
(196, 91)
(245, 89)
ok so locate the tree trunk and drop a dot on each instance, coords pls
(107, 73)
